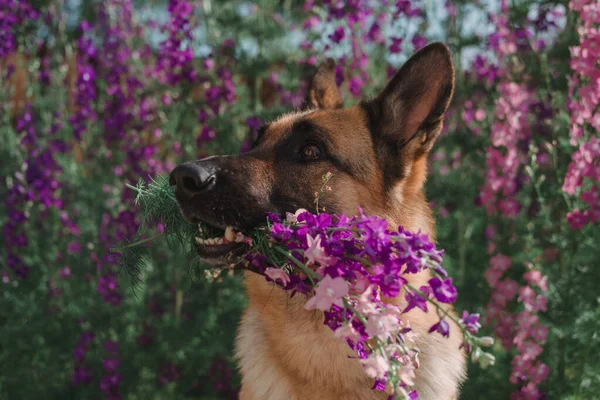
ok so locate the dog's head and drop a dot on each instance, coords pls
(376, 152)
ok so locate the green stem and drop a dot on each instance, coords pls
(139, 242)
(309, 272)
(137, 189)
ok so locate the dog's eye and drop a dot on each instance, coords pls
(310, 152)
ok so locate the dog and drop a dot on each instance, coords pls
(377, 152)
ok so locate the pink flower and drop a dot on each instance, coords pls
(360, 284)
(293, 218)
(328, 292)
(539, 333)
(278, 274)
(375, 366)
(480, 114)
(500, 262)
(382, 325)
(577, 219)
(530, 350)
(347, 332)
(315, 253)
(539, 373)
(536, 278)
(407, 375)
(365, 304)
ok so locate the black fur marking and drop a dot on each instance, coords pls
(260, 133)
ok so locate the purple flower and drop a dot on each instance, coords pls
(471, 322)
(396, 46)
(175, 62)
(273, 218)
(207, 134)
(418, 42)
(441, 327)
(339, 75)
(74, 247)
(414, 300)
(108, 288)
(405, 7)
(390, 282)
(281, 232)
(81, 374)
(355, 86)
(444, 291)
(338, 35)
(110, 384)
(374, 33)
(110, 365)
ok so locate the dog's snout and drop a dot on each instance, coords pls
(193, 178)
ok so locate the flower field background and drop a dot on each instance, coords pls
(96, 94)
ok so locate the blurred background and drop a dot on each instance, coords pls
(97, 94)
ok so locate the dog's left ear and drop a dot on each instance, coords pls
(409, 112)
(323, 93)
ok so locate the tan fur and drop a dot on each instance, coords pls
(286, 353)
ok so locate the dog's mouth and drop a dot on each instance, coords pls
(219, 246)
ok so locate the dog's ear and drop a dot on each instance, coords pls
(323, 93)
(410, 110)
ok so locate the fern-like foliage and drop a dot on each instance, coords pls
(157, 204)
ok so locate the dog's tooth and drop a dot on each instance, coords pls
(220, 241)
(229, 235)
(199, 240)
(211, 241)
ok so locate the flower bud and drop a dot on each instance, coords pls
(486, 360)
(486, 341)
(476, 354)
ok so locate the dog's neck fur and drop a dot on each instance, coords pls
(287, 353)
(409, 206)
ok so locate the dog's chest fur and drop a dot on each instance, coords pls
(286, 353)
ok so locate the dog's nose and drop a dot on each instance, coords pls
(192, 178)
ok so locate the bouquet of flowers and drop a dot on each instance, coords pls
(351, 269)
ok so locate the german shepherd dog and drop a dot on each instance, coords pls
(377, 152)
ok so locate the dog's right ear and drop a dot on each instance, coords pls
(323, 93)
(409, 112)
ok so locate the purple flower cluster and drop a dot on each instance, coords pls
(108, 287)
(348, 266)
(174, 63)
(222, 92)
(122, 83)
(36, 186)
(82, 373)
(127, 115)
(14, 14)
(85, 94)
(109, 384)
(219, 94)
